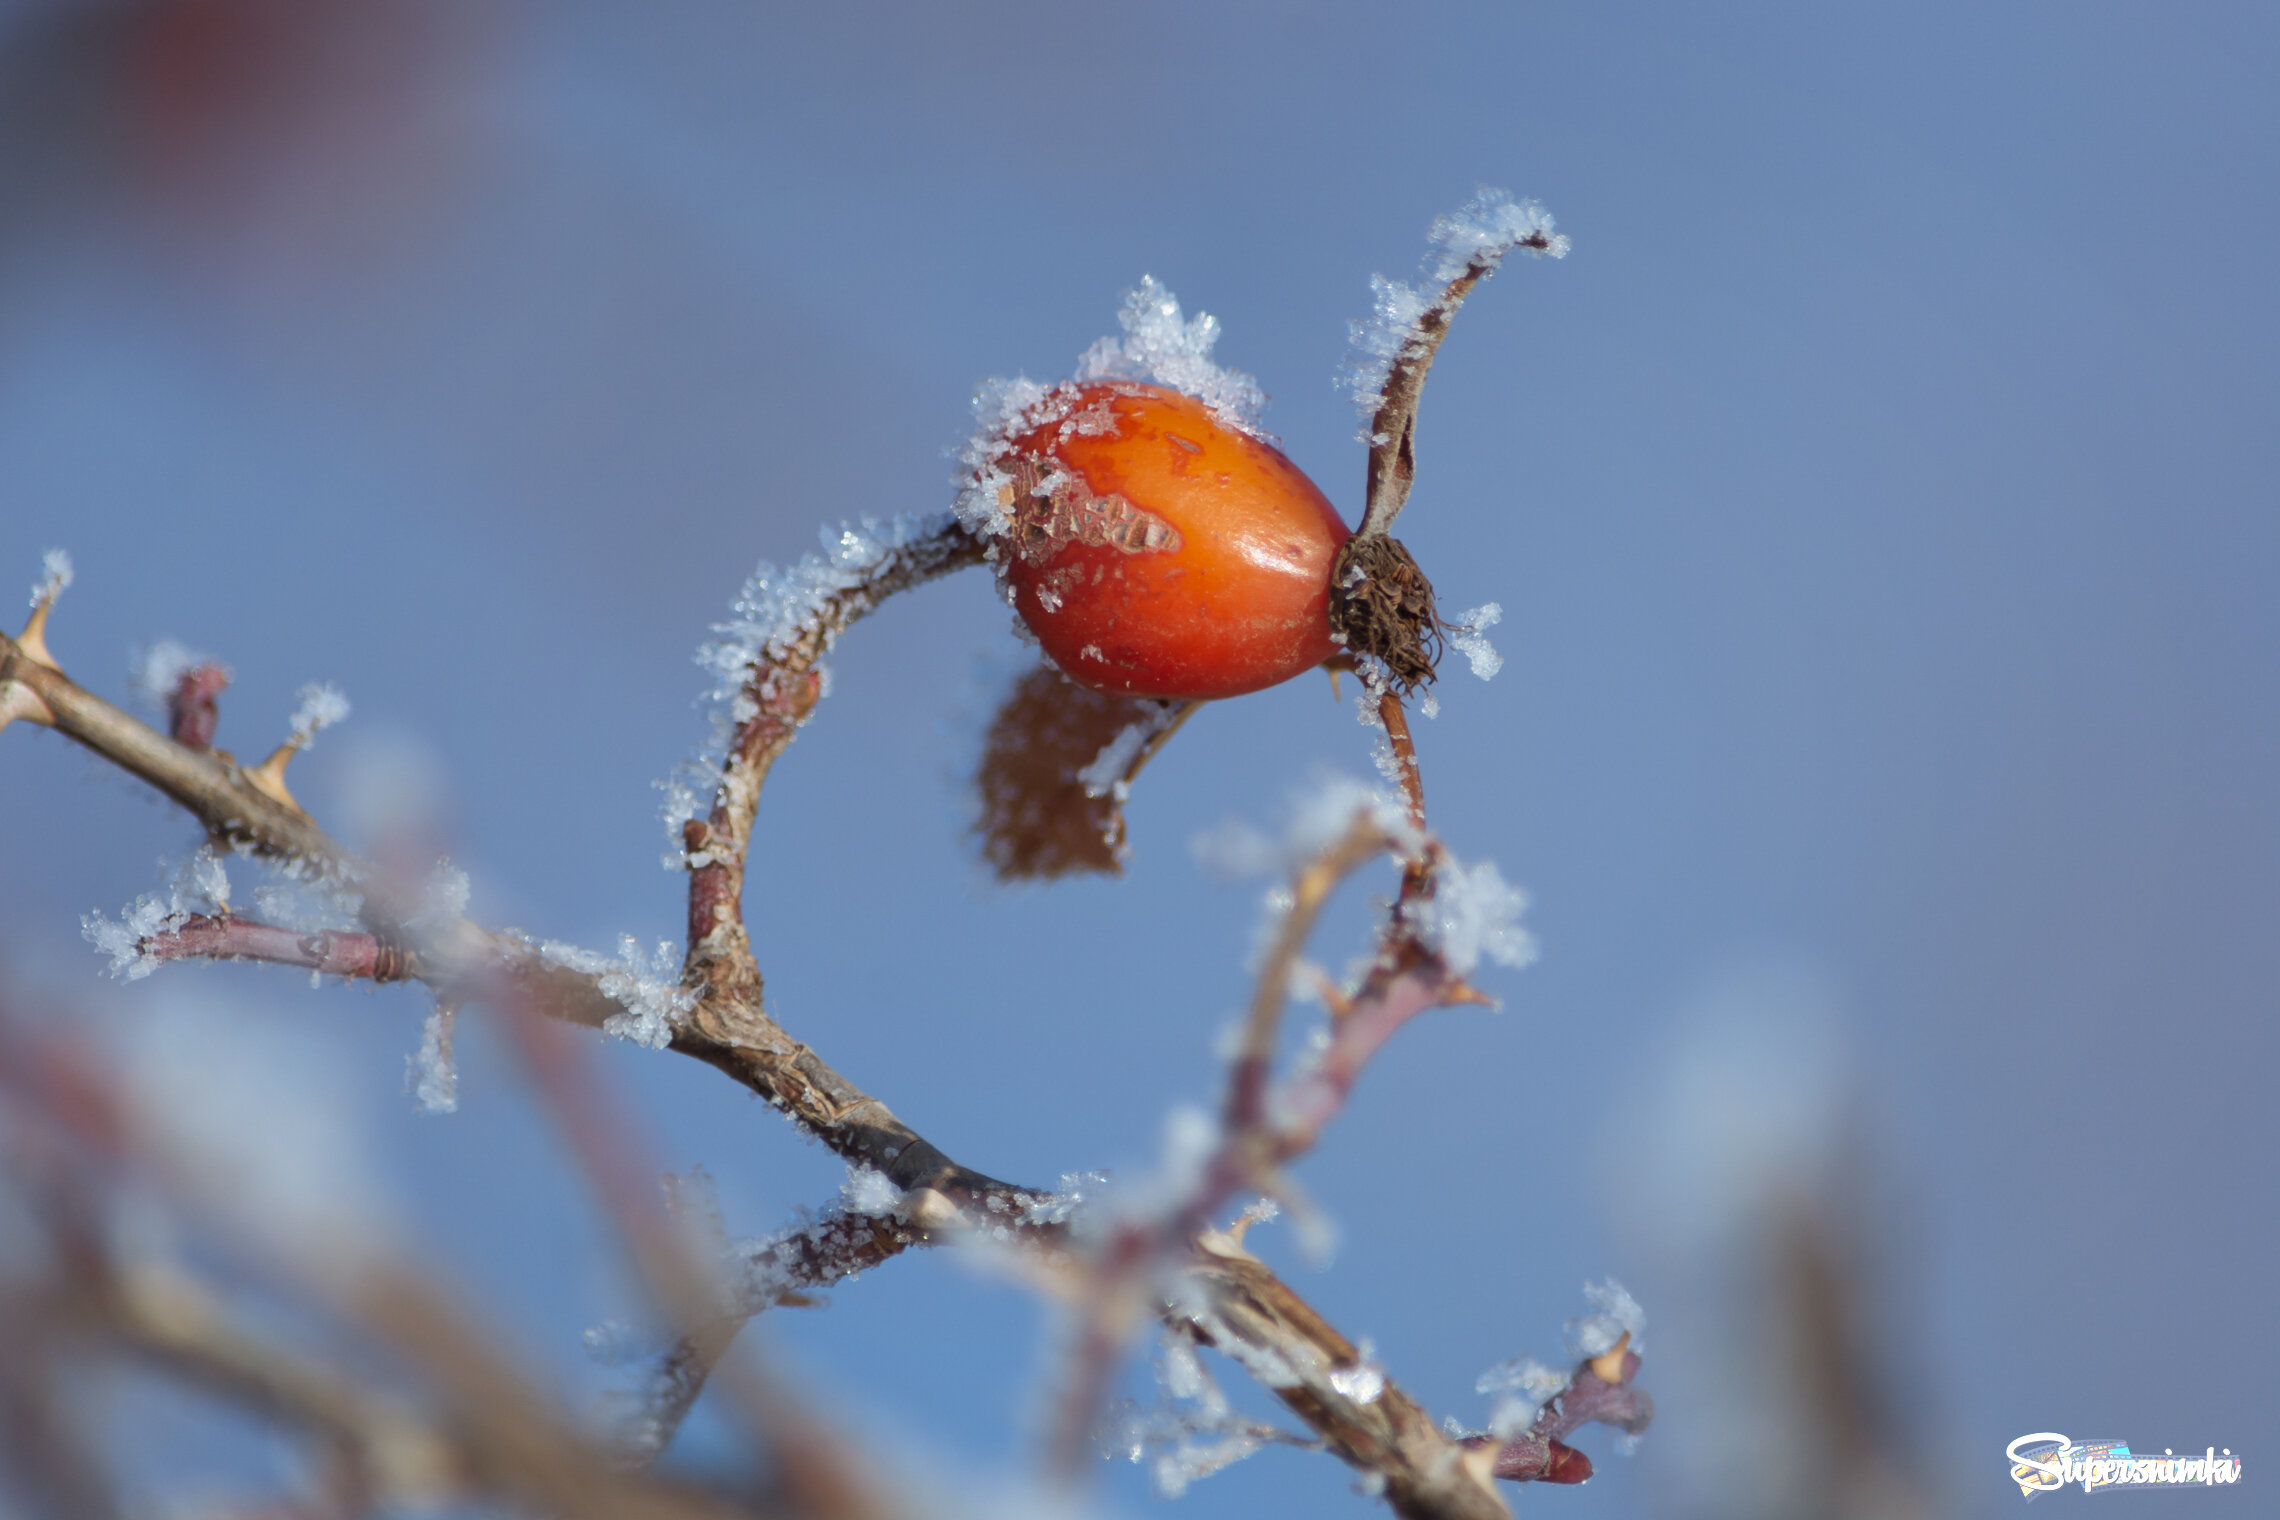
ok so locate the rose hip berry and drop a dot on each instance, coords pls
(1158, 552)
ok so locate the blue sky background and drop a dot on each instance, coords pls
(1881, 498)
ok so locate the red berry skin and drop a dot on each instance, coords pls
(1158, 552)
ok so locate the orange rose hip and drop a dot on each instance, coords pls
(1158, 552)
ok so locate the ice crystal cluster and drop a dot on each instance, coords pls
(647, 985)
(1468, 636)
(1614, 1314)
(321, 705)
(1477, 234)
(432, 1075)
(1474, 915)
(1315, 817)
(820, 1250)
(55, 576)
(1524, 1385)
(1192, 1433)
(1078, 1192)
(201, 886)
(1105, 775)
(779, 608)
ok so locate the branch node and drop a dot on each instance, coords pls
(19, 701)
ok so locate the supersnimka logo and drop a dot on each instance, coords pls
(2046, 1461)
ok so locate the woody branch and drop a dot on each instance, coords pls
(1249, 1310)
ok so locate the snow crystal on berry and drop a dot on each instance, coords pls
(1160, 348)
(1003, 411)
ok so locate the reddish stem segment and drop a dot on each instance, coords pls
(333, 952)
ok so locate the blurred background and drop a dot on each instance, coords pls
(1881, 499)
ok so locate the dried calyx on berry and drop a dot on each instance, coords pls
(1381, 605)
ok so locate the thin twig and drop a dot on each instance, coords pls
(1311, 889)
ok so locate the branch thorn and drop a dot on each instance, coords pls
(268, 777)
(1608, 1367)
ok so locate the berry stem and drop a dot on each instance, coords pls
(1396, 720)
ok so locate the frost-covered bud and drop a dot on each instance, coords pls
(182, 683)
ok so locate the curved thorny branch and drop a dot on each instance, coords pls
(1172, 1265)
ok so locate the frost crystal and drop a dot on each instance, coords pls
(647, 986)
(432, 1076)
(776, 609)
(1315, 818)
(1473, 913)
(1481, 232)
(868, 1191)
(1526, 1376)
(1616, 1314)
(1106, 773)
(204, 880)
(202, 885)
(1093, 1206)
(1468, 634)
(1159, 348)
(55, 576)
(1485, 229)
(1396, 307)
(1194, 1433)
(1365, 1380)
(123, 941)
(1523, 1387)
(1003, 411)
(322, 705)
(305, 906)
(443, 897)
(1078, 1191)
